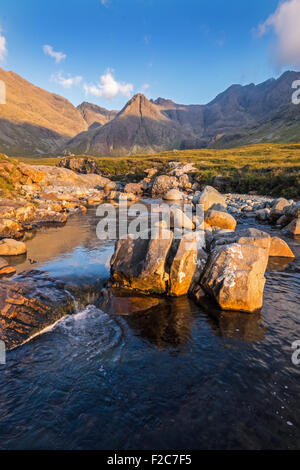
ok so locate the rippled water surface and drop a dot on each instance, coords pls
(179, 376)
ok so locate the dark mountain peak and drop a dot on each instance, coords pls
(163, 102)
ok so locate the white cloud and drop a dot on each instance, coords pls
(285, 23)
(108, 87)
(66, 82)
(104, 2)
(3, 48)
(58, 56)
(145, 87)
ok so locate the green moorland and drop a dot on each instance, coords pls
(268, 169)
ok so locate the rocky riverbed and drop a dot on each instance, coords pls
(215, 259)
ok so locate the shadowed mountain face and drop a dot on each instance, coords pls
(139, 127)
(35, 122)
(94, 115)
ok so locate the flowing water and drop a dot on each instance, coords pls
(176, 377)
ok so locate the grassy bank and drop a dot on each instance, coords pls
(269, 169)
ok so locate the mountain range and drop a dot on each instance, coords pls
(36, 122)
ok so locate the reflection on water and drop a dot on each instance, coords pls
(176, 376)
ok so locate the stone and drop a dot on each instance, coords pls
(220, 219)
(29, 303)
(10, 247)
(134, 188)
(5, 269)
(262, 214)
(184, 265)
(173, 195)
(278, 207)
(140, 264)
(162, 184)
(294, 227)
(280, 248)
(210, 196)
(234, 276)
(10, 228)
(180, 220)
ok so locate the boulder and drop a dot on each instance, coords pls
(10, 228)
(134, 188)
(140, 264)
(280, 248)
(220, 219)
(162, 184)
(184, 265)
(173, 195)
(10, 247)
(210, 196)
(294, 227)
(83, 165)
(234, 276)
(262, 214)
(278, 207)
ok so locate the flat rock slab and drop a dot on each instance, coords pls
(29, 303)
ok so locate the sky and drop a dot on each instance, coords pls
(104, 51)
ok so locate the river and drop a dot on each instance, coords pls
(177, 377)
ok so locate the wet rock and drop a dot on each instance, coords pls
(118, 302)
(140, 264)
(11, 247)
(280, 248)
(28, 304)
(5, 269)
(220, 219)
(210, 196)
(234, 276)
(162, 184)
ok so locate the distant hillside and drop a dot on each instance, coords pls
(139, 127)
(36, 122)
(94, 115)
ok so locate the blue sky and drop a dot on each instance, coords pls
(188, 50)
